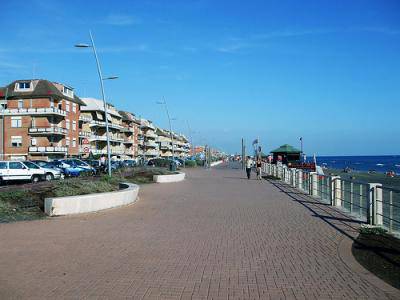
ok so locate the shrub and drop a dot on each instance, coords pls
(190, 163)
(368, 229)
(200, 162)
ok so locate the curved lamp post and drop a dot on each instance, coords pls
(101, 78)
(170, 125)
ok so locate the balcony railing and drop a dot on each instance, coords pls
(128, 141)
(95, 123)
(85, 118)
(35, 111)
(151, 145)
(47, 131)
(62, 150)
(85, 133)
(104, 138)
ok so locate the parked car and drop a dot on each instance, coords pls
(129, 163)
(70, 170)
(16, 170)
(49, 173)
(76, 167)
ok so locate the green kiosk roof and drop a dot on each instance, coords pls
(286, 149)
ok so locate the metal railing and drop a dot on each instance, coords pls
(370, 202)
(388, 207)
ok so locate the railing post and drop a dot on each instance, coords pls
(375, 204)
(336, 191)
(313, 184)
(293, 177)
(300, 179)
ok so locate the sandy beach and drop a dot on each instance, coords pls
(365, 177)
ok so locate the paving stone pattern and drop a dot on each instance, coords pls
(214, 236)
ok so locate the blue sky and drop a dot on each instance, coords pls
(325, 70)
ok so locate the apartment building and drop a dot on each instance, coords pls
(148, 146)
(164, 141)
(94, 126)
(39, 120)
(130, 133)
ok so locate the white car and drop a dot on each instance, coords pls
(49, 174)
(16, 170)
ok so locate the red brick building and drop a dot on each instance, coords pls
(41, 120)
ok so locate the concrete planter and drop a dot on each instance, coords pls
(70, 205)
(216, 163)
(169, 178)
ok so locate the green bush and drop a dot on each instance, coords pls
(368, 229)
(200, 162)
(190, 163)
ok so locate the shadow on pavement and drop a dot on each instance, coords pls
(334, 218)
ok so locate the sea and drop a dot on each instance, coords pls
(379, 164)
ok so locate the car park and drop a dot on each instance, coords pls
(16, 170)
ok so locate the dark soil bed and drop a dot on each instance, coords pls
(380, 254)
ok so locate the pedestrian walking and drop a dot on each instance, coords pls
(249, 165)
(258, 169)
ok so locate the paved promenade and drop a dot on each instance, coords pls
(214, 236)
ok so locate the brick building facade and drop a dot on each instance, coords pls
(41, 120)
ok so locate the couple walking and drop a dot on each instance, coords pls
(250, 164)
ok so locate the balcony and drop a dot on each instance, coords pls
(128, 141)
(150, 134)
(128, 129)
(47, 131)
(86, 119)
(95, 123)
(104, 151)
(114, 139)
(60, 150)
(47, 111)
(151, 153)
(85, 134)
(151, 144)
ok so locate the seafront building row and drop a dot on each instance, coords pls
(40, 119)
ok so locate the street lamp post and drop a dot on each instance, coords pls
(170, 125)
(101, 78)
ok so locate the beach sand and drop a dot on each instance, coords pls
(392, 182)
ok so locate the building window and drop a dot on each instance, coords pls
(20, 103)
(73, 142)
(67, 141)
(74, 107)
(66, 105)
(74, 125)
(33, 122)
(26, 85)
(68, 91)
(16, 122)
(67, 124)
(33, 142)
(16, 141)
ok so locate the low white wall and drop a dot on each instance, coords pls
(216, 163)
(61, 206)
(169, 178)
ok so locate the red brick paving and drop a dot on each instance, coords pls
(213, 236)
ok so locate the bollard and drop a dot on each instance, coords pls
(375, 204)
(336, 191)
